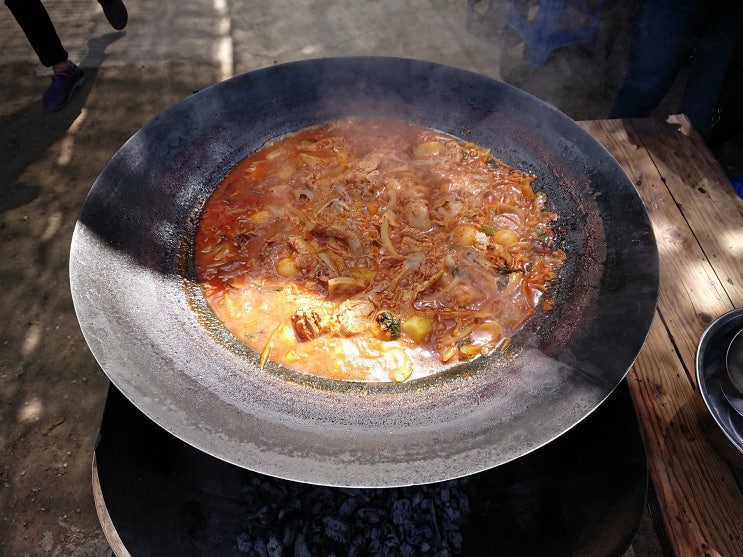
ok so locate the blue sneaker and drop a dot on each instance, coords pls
(64, 84)
(738, 185)
(115, 12)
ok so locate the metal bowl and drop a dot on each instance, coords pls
(712, 376)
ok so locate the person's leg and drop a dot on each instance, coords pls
(34, 20)
(663, 38)
(707, 72)
(115, 12)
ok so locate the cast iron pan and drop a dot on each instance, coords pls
(143, 316)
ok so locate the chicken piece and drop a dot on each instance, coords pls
(300, 245)
(416, 213)
(353, 316)
(346, 285)
(412, 200)
(308, 324)
(342, 231)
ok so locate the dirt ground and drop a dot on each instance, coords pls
(52, 389)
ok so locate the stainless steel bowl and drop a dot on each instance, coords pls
(712, 376)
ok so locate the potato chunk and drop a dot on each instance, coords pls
(418, 328)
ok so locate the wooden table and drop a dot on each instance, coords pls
(697, 218)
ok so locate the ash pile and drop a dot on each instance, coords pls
(287, 519)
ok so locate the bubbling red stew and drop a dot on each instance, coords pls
(375, 250)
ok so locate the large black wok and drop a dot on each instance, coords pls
(144, 318)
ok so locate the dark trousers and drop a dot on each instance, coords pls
(666, 35)
(33, 18)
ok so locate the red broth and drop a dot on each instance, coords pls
(375, 250)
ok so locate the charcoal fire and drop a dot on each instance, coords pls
(287, 519)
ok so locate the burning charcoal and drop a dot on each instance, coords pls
(274, 548)
(347, 507)
(435, 523)
(456, 540)
(356, 546)
(267, 489)
(290, 507)
(264, 515)
(444, 494)
(336, 530)
(389, 547)
(259, 548)
(426, 533)
(401, 511)
(453, 514)
(290, 533)
(300, 547)
(417, 498)
(411, 533)
(243, 542)
(284, 519)
(375, 535)
(464, 502)
(369, 515)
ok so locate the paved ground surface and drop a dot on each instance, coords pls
(51, 390)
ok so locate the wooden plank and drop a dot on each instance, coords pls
(700, 501)
(703, 193)
(690, 295)
(697, 492)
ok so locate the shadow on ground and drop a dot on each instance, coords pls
(20, 152)
(51, 389)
